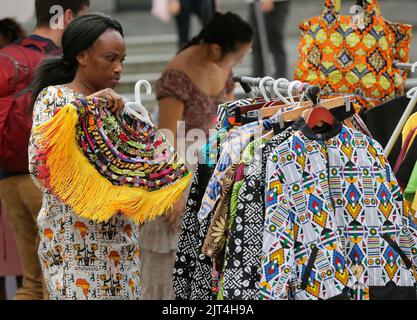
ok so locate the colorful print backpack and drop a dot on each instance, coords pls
(354, 54)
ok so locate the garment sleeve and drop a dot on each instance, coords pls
(277, 263)
(242, 267)
(407, 238)
(44, 109)
(190, 241)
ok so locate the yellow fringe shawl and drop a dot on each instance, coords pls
(77, 183)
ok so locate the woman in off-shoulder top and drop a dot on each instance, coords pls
(193, 83)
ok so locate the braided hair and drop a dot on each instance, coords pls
(79, 35)
(228, 30)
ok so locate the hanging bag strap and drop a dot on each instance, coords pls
(371, 7)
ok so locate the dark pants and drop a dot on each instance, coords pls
(204, 9)
(275, 23)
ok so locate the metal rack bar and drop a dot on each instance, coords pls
(248, 82)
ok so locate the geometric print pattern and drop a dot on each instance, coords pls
(344, 55)
(202, 281)
(244, 246)
(335, 220)
(231, 152)
(227, 110)
(97, 132)
(188, 275)
(192, 271)
(243, 252)
(192, 275)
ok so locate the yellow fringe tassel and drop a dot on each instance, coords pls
(77, 183)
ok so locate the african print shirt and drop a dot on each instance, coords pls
(193, 270)
(244, 246)
(336, 224)
(230, 154)
(189, 246)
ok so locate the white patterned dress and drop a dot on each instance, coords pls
(82, 259)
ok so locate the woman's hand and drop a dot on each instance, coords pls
(173, 217)
(115, 101)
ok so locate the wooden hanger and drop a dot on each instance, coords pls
(292, 115)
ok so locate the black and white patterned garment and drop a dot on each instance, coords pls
(244, 247)
(229, 109)
(189, 245)
(201, 281)
(192, 269)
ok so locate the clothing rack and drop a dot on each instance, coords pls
(247, 83)
(408, 111)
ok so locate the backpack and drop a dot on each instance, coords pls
(18, 62)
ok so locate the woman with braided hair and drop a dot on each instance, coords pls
(92, 61)
(98, 187)
(91, 65)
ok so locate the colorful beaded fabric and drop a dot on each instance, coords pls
(354, 54)
(101, 164)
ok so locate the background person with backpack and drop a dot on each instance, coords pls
(10, 31)
(21, 199)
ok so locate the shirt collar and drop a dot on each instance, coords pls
(322, 136)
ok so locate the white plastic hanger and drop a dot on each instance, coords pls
(279, 114)
(355, 10)
(291, 88)
(276, 89)
(262, 87)
(411, 92)
(136, 108)
(256, 92)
